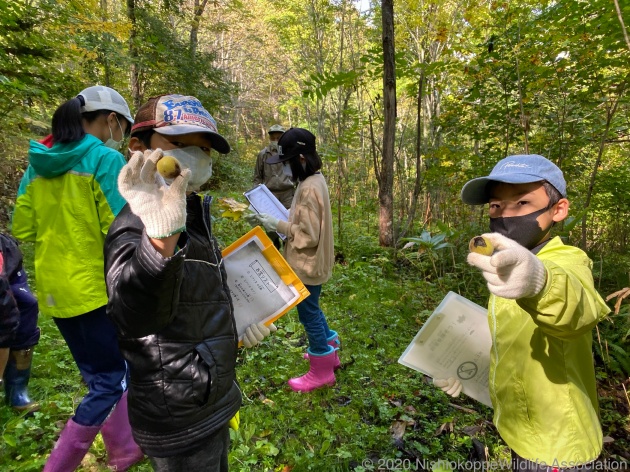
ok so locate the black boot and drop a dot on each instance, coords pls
(16, 377)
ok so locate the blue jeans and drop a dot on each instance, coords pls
(211, 457)
(314, 322)
(94, 346)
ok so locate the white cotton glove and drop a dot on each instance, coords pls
(450, 386)
(269, 222)
(162, 208)
(512, 271)
(255, 333)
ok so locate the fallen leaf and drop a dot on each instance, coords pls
(233, 209)
(448, 427)
(398, 429)
(232, 215)
(471, 430)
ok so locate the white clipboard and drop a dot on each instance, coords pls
(262, 200)
(454, 342)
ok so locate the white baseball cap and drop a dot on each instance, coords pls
(100, 97)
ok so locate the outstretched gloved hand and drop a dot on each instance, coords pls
(450, 386)
(269, 222)
(162, 208)
(512, 271)
(255, 333)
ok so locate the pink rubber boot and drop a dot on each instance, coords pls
(320, 374)
(333, 341)
(122, 450)
(73, 443)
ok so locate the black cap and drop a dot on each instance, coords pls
(292, 143)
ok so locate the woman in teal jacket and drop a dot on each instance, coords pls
(66, 202)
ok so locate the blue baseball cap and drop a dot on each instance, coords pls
(518, 169)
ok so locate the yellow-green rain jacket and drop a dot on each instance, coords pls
(542, 378)
(68, 198)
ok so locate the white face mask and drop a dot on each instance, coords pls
(111, 142)
(273, 146)
(195, 159)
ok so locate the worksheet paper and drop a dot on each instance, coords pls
(454, 342)
(257, 290)
(263, 201)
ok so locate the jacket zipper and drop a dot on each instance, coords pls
(206, 202)
(496, 356)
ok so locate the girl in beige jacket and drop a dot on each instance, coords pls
(309, 250)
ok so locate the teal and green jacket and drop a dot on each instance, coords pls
(68, 198)
(542, 378)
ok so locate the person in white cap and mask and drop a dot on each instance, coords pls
(67, 199)
(542, 310)
(168, 291)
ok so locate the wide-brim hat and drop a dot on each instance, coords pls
(275, 129)
(518, 169)
(174, 115)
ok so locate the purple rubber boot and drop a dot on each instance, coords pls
(73, 443)
(122, 450)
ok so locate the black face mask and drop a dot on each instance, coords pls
(525, 230)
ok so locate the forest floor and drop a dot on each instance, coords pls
(380, 415)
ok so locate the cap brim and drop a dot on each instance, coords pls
(219, 143)
(277, 158)
(475, 191)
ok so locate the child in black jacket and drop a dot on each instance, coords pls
(18, 326)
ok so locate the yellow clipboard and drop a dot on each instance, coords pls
(262, 284)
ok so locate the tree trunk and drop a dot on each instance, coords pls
(610, 113)
(386, 174)
(418, 183)
(194, 27)
(133, 55)
(106, 68)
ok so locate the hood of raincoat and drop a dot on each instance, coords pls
(59, 159)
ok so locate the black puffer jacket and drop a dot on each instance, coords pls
(176, 329)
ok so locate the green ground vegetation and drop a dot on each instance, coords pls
(379, 413)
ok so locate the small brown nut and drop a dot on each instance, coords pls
(481, 245)
(169, 167)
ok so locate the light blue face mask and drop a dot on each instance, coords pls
(195, 159)
(111, 142)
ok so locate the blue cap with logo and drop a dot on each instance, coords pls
(518, 169)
